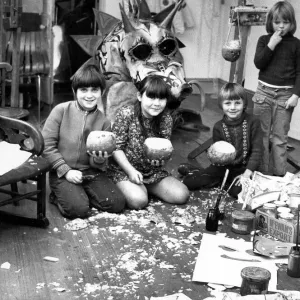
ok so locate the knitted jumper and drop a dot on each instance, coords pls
(280, 67)
(245, 135)
(65, 133)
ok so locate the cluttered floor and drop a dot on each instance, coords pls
(143, 254)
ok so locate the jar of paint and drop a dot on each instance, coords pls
(255, 281)
(242, 221)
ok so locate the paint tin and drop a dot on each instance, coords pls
(255, 281)
(288, 217)
(242, 221)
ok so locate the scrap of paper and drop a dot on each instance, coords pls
(177, 296)
(230, 263)
(11, 157)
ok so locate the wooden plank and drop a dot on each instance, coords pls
(14, 99)
(44, 52)
(33, 54)
(38, 53)
(27, 62)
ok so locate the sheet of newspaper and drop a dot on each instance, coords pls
(269, 188)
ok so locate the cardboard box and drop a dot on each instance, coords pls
(279, 229)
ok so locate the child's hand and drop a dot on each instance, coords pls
(291, 102)
(74, 176)
(135, 176)
(156, 163)
(98, 156)
(275, 39)
(247, 174)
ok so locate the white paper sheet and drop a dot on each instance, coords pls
(11, 157)
(211, 267)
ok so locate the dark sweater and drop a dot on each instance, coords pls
(252, 130)
(280, 67)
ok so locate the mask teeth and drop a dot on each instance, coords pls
(161, 67)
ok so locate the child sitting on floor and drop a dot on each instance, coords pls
(134, 175)
(241, 130)
(65, 134)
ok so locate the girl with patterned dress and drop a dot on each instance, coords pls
(130, 169)
(241, 130)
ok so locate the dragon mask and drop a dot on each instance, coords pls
(139, 45)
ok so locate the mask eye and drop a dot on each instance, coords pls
(167, 47)
(141, 51)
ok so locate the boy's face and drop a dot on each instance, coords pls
(88, 97)
(233, 109)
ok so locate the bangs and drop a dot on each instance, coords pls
(232, 95)
(283, 14)
(157, 88)
(89, 79)
(88, 76)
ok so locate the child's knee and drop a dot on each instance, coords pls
(74, 211)
(138, 202)
(182, 195)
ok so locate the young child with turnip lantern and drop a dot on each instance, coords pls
(277, 57)
(243, 132)
(139, 128)
(78, 179)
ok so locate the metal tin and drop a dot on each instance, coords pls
(242, 221)
(288, 217)
(293, 269)
(255, 281)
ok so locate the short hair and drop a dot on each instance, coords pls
(88, 75)
(284, 10)
(232, 91)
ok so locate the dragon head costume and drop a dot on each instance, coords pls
(139, 45)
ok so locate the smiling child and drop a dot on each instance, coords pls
(241, 130)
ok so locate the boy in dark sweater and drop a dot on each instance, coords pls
(241, 130)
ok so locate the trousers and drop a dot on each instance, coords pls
(214, 175)
(75, 200)
(269, 106)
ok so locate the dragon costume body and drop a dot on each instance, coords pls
(139, 45)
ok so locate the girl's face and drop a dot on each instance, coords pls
(88, 97)
(233, 109)
(281, 25)
(151, 107)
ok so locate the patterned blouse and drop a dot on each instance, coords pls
(130, 139)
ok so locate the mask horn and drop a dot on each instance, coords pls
(127, 25)
(158, 18)
(167, 22)
(144, 11)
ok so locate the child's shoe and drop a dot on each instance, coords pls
(186, 168)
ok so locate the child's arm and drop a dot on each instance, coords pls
(263, 53)
(134, 175)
